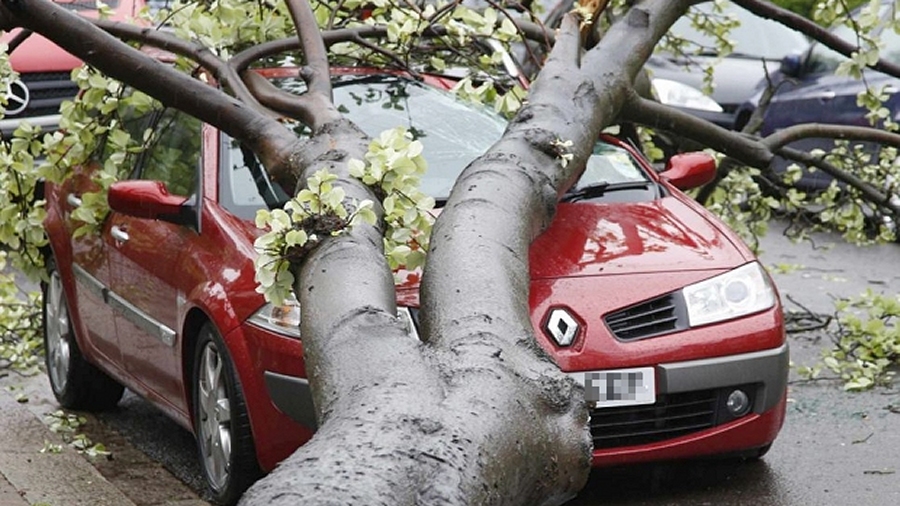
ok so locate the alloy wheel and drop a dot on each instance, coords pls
(58, 334)
(215, 416)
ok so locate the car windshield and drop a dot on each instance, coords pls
(824, 60)
(453, 133)
(754, 38)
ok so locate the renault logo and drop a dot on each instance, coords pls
(17, 97)
(562, 326)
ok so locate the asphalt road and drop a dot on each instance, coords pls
(836, 448)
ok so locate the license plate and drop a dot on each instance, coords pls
(620, 387)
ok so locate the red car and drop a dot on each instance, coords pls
(669, 319)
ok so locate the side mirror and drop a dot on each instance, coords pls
(690, 170)
(791, 65)
(149, 200)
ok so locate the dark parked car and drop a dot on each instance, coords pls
(809, 92)
(677, 79)
(665, 315)
(759, 46)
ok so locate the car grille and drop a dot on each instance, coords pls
(47, 90)
(656, 317)
(673, 415)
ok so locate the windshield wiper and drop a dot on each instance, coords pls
(598, 189)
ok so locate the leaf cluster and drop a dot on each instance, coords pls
(393, 167)
(318, 211)
(67, 425)
(866, 345)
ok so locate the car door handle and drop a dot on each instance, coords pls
(825, 96)
(73, 200)
(119, 234)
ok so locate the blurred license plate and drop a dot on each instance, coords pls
(622, 387)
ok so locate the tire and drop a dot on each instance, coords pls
(757, 453)
(76, 383)
(221, 424)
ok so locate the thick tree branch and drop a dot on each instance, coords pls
(220, 70)
(868, 191)
(116, 59)
(793, 133)
(18, 39)
(311, 109)
(735, 145)
(318, 77)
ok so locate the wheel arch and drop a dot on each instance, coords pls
(193, 322)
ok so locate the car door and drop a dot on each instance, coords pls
(90, 266)
(147, 276)
(90, 251)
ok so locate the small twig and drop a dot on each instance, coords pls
(863, 440)
(822, 320)
(813, 380)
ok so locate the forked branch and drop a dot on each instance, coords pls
(165, 41)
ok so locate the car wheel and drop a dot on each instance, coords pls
(221, 423)
(758, 453)
(76, 383)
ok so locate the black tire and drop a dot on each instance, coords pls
(757, 453)
(228, 471)
(76, 383)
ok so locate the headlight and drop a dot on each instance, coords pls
(679, 94)
(736, 293)
(283, 319)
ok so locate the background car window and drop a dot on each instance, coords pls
(754, 38)
(173, 153)
(824, 60)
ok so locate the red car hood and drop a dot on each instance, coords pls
(666, 235)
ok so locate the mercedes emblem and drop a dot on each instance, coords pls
(17, 97)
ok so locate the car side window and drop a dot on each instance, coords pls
(173, 153)
(135, 124)
(244, 184)
(824, 60)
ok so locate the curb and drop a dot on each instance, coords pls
(29, 477)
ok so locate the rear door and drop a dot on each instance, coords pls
(148, 278)
(90, 266)
(90, 251)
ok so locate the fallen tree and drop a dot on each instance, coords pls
(475, 413)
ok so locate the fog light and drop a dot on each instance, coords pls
(738, 403)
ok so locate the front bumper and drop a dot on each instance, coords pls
(689, 418)
(768, 369)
